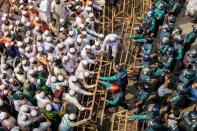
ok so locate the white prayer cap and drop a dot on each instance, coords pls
(72, 117)
(28, 24)
(79, 40)
(112, 39)
(84, 33)
(85, 62)
(71, 41)
(24, 12)
(36, 19)
(31, 71)
(1, 102)
(72, 50)
(82, 26)
(61, 29)
(60, 45)
(88, 8)
(17, 70)
(89, 2)
(34, 113)
(46, 32)
(5, 14)
(74, 79)
(27, 48)
(53, 79)
(12, 43)
(65, 58)
(97, 43)
(24, 62)
(40, 49)
(40, 68)
(42, 95)
(26, 40)
(28, 33)
(62, 20)
(6, 33)
(87, 47)
(3, 66)
(11, 27)
(23, 117)
(17, 22)
(37, 28)
(3, 18)
(71, 92)
(19, 43)
(77, 7)
(47, 48)
(71, 33)
(91, 15)
(86, 73)
(87, 20)
(32, 59)
(7, 44)
(49, 39)
(77, 0)
(49, 107)
(58, 87)
(101, 35)
(39, 38)
(60, 78)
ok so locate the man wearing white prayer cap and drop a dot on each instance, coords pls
(68, 66)
(86, 54)
(111, 41)
(75, 85)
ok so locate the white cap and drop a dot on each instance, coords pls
(46, 32)
(11, 27)
(60, 45)
(86, 73)
(72, 117)
(26, 40)
(82, 26)
(89, 2)
(79, 40)
(24, 12)
(88, 8)
(24, 62)
(85, 62)
(19, 43)
(74, 79)
(87, 47)
(65, 58)
(84, 33)
(24, 108)
(40, 68)
(58, 87)
(77, 7)
(37, 28)
(2, 86)
(40, 49)
(71, 33)
(3, 66)
(17, 70)
(53, 79)
(7, 44)
(61, 29)
(101, 35)
(12, 43)
(72, 50)
(91, 15)
(97, 43)
(42, 95)
(23, 117)
(87, 20)
(34, 113)
(62, 20)
(28, 33)
(50, 58)
(3, 115)
(60, 78)
(32, 59)
(27, 48)
(112, 38)
(39, 38)
(3, 18)
(31, 71)
(49, 39)
(36, 19)
(49, 107)
(17, 22)
(28, 24)
(71, 92)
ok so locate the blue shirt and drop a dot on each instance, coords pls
(162, 91)
(192, 93)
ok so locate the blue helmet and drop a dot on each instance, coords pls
(146, 58)
(151, 12)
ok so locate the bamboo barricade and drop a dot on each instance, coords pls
(120, 20)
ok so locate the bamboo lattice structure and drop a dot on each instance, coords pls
(119, 20)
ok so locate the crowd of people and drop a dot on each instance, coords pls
(47, 47)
